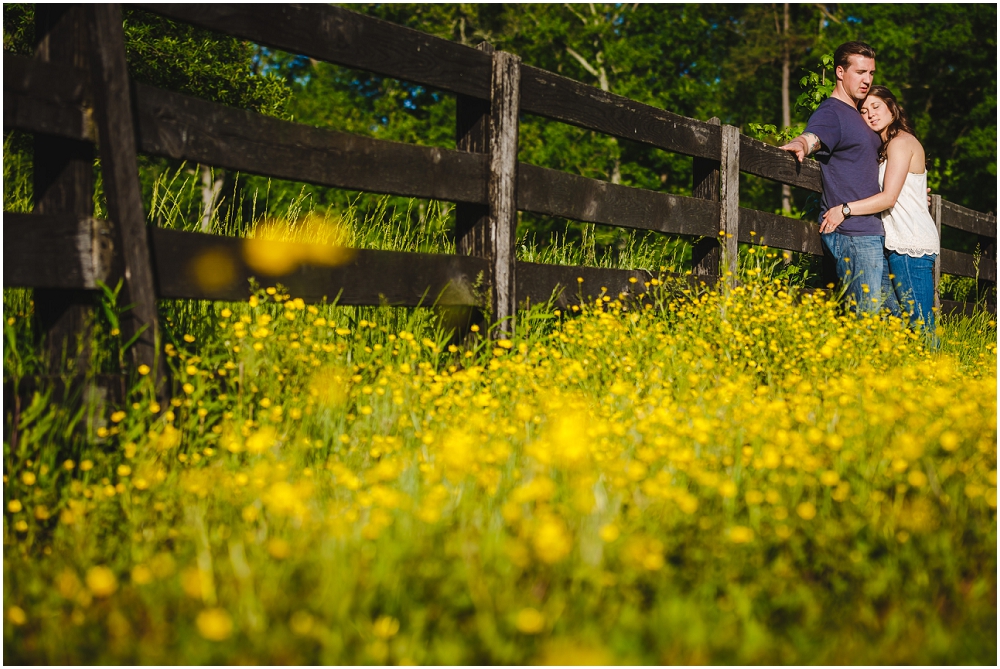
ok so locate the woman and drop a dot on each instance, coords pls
(911, 236)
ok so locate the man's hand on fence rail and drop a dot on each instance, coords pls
(802, 146)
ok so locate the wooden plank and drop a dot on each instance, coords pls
(44, 97)
(964, 264)
(706, 253)
(340, 36)
(953, 308)
(120, 169)
(988, 270)
(472, 118)
(182, 127)
(555, 193)
(969, 220)
(59, 83)
(59, 251)
(729, 199)
(984, 269)
(186, 128)
(984, 226)
(936, 215)
(538, 283)
(344, 37)
(770, 162)
(62, 183)
(197, 266)
(779, 232)
(505, 90)
(62, 175)
(23, 112)
(557, 97)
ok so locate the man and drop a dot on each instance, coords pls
(847, 151)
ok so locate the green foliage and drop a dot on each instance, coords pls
(940, 61)
(18, 28)
(816, 87)
(183, 58)
(17, 173)
(770, 133)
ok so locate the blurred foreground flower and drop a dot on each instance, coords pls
(16, 615)
(278, 249)
(385, 627)
(214, 268)
(573, 653)
(740, 534)
(529, 621)
(101, 581)
(329, 385)
(214, 624)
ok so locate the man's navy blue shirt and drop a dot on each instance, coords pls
(848, 162)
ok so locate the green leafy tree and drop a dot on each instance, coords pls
(941, 61)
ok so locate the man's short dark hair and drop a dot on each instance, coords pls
(842, 56)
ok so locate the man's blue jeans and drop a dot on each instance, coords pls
(863, 272)
(913, 279)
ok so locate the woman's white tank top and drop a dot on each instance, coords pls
(909, 228)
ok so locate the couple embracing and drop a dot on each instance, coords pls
(872, 164)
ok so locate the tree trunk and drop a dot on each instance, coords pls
(786, 104)
(211, 187)
(786, 112)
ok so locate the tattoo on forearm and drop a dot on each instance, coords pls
(812, 142)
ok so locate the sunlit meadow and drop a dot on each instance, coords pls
(740, 475)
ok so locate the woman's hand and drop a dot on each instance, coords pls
(831, 220)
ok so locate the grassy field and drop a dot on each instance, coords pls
(733, 476)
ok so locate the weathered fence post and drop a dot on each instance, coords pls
(705, 254)
(729, 201)
(119, 165)
(472, 134)
(63, 175)
(936, 215)
(987, 255)
(472, 220)
(505, 102)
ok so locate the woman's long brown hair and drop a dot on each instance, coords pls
(900, 121)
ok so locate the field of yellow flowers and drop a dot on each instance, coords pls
(731, 476)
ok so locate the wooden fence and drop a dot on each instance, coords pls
(76, 94)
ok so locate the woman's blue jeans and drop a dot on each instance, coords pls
(863, 272)
(913, 279)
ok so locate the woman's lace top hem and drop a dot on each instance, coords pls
(914, 253)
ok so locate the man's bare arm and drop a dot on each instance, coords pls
(804, 145)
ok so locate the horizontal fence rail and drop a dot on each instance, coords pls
(58, 100)
(189, 263)
(75, 253)
(57, 251)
